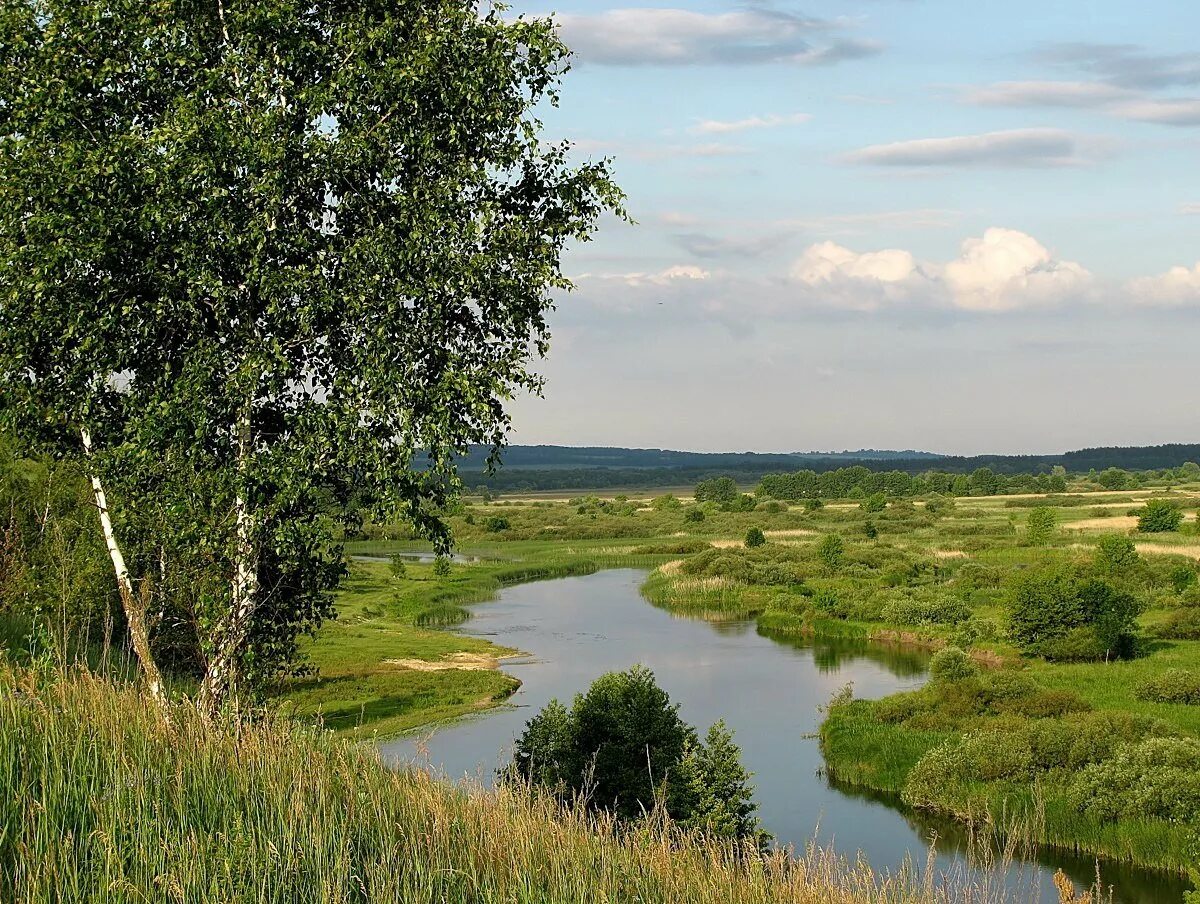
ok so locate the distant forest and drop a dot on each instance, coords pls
(531, 468)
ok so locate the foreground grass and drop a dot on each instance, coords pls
(110, 799)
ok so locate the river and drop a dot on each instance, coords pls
(768, 691)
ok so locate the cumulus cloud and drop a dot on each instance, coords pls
(723, 127)
(675, 37)
(1011, 148)
(1178, 286)
(1006, 269)
(1002, 270)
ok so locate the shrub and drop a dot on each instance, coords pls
(1116, 555)
(1182, 624)
(952, 664)
(1159, 516)
(694, 515)
(831, 550)
(668, 502)
(398, 567)
(870, 529)
(1183, 577)
(1040, 526)
(755, 538)
(441, 566)
(1171, 686)
(1157, 778)
(876, 502)
(813, 505)
(1055, 614)
(496, 524)
(909, 610)
(722, 490)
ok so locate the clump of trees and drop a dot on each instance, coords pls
(623, 748)
(1063, 614)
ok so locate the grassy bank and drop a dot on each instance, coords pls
(111, 800)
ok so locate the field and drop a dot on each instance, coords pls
(930, 572)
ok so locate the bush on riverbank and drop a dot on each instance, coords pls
(113, 799)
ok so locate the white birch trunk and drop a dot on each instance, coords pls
(231, 635)
(135, 611)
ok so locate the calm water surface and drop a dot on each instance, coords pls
(768, 691)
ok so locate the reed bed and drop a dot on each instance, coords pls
(112, 799)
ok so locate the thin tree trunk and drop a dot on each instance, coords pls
(135, 609)
(220, 675)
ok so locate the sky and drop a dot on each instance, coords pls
(956, 226)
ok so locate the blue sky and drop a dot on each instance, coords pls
(893, 223)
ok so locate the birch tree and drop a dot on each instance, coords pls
(255, 253)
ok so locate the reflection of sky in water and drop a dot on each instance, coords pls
(767, 691)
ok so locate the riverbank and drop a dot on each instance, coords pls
(113, 798)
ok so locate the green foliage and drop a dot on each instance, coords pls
(722, 490)
(813, 505)
(876, 502)
(1183, 577)
(441, 566)
(870, 530)
(1060, 615)
(665, 503)
(1116, 556)
(496, 525)
(1158, 778)
(755, 538)
(265, 269)
(694, 515)
(952, 664)
(1114, 479)
(1040, 526)
(1171, 686)
(1159, 516)
(1182, 624)
(831, 551)
(623, 744)
(397, 567)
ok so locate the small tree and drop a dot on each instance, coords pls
(624, 749)
(755, 538)
(1114, 478)
(870, 529)
(722, 490)
(812, 504)
(876, 502)
(1159, 516)
(694, 515)
(496, 524)
(951, 664)
(1040, 526)
(1116, 556)
(831, 550)
(398, 567)
(441, 566)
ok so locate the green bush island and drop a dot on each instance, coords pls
(1159, 516)
(1171, 686)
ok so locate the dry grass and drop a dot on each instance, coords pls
(464, 661)
(1114, 524)
(793, 532)
(1164, 549)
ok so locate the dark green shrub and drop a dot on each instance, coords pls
(1040, 525)
(1183, 577)
(812, 505)
(831, 551)
(496, 524)
(1116, 556)
(441, 566)
(1182, 624)
(693, 515)
(755, 538)
(870, 529)
(1159, 516)
(1056, 614)
(1171, 686)
(622, 744)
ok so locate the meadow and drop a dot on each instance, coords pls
(1021, 743)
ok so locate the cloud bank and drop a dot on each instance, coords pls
(1011, 148)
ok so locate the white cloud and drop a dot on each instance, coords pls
(720, 127)
(1181, 111)
(1015, 147)
(1047, 94)
(664, 277)
(674, 37)
(1002, 270)
(1189, 209)
(1178, 286)
(1006, 269)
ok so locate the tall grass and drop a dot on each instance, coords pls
(111, 800)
